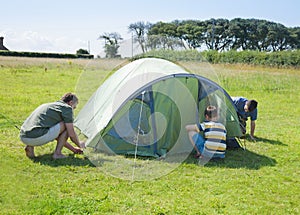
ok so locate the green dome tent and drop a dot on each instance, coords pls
(144, 106)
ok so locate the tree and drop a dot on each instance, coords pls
(241, 31)
(140, 29)
(217, 34)
(278, 37)
(261, 35)
(191, 32)
(111, 45)
(294, 39)
(82, 51)
(164, 35)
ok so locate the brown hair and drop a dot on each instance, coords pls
(252, 104)
(69, 97)
(211, 111)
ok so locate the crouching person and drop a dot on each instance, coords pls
(52, 121)
(213, 142)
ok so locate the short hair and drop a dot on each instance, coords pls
(211, 111)
(69, 97)
(252, 104)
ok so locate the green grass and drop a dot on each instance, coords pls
(264, 179)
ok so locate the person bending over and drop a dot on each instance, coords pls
(245, 109)
(52, 121)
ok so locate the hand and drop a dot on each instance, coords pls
(78, 151)
(82, 144)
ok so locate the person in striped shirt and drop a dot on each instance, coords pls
(213, 142)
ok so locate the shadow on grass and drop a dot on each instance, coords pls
(71, 160)
(239, 158)
(265, 140)
(274, 142)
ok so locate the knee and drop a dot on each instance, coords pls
(63, 135)
(188, 127)
(62, 127)
(192, 133)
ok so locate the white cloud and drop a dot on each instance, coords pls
(37, 42)
(33, 41)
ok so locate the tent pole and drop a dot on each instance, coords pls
(137, 135)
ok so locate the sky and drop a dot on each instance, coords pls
(64, 26)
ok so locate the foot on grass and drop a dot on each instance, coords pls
(58, 156)
(29, 150)
(198, 155)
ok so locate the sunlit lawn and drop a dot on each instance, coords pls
(263, 179)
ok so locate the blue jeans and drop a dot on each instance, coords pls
(199, 142)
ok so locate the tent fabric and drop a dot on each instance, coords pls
(148, 102)
(114, 92)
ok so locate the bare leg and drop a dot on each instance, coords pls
(61, 141)
(29, 150)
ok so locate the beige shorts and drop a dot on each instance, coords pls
(51, 135)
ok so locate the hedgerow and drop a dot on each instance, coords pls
(276, 59)
(44, 55)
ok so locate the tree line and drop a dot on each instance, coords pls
(213, 34)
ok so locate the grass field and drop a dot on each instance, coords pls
(263, 179)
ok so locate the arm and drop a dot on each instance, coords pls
(252, 129)
(192, 127)
(75, 150)
(253, 117)
(73, 136)
(192, 130)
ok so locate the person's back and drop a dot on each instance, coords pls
(44, 117)
(215, 139)
(240, 103)
(246, 108)
(49, 122)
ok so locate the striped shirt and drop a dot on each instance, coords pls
(215, 138)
